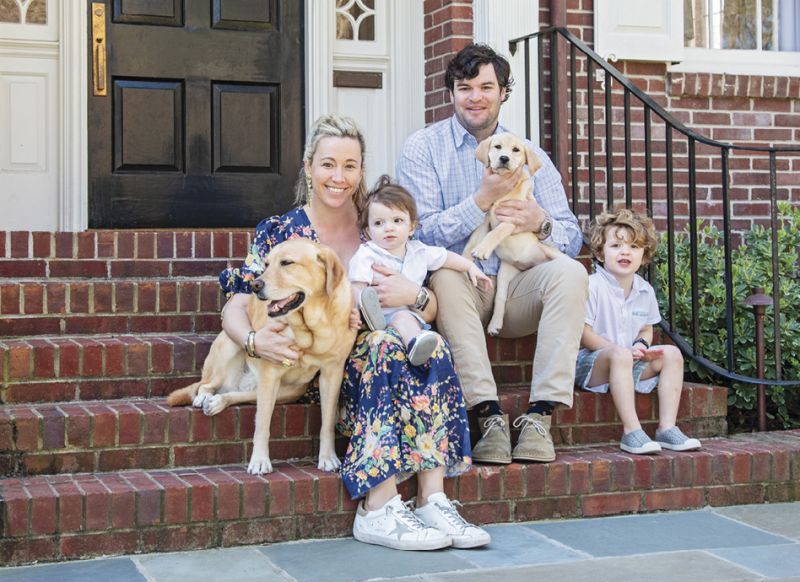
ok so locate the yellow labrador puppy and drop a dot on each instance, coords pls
(504, 153)
(305, 285)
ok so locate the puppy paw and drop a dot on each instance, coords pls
(213, 405)
(329, 463)
(481, 252)
(199, 400)
(259, 465)
(494, 327)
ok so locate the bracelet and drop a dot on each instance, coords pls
(250, 344)
(641, 340)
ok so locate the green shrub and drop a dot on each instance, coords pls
(752, 267)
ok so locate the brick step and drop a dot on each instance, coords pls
(63, 517)
(79, 367)
(221, 244)
(82, 368)
(58, 307)
(147, 434)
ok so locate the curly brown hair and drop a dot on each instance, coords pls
(641, 228)
(391, 195)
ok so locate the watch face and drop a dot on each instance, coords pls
(547, 226)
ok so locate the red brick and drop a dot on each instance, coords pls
(295, 422)
(201, 497)
(557, 483)
(44, 359)
(10, 301)
(578, 475)
(468, 485)
(130, 424)
(114, 360)
(124, 296)
(19, 361)
(53, 428)
(105, 244)
(490, 479)
(98, 502)
(302, 489)
(104, 430)
(202, 426)
(98, 544)
(600, 475)
(225, 425)
(202, 244)
(70, 506)
(123, 501)
(20, 244)
(92, 358)
(41, 244)
(221, 245)
(280, 502)
(674, 499)
(165, 244)
(546, 508)
(160, 358)
(254, 494)
(514, 479)
(175, 497)
(183, 244)
(179, 427)
(26, 423)
(610, 503)
(495, 512)
(33, 297)
(140, 268)
(17, 505)
(43, 507)
(56, 298)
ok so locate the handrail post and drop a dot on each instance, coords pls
(759, 302)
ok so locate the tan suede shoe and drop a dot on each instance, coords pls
(495, 443)
(535, 442)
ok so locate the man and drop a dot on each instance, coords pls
(453, 193)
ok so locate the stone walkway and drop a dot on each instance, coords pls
(749, 542)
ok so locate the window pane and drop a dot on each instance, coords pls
(768, 27)
(9, 11)
(37, 12)
(739, 25)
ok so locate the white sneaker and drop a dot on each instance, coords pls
(394, 526)
(440, 513)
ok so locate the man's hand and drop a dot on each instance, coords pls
(394, 289)
(495, 186)
(525, 215)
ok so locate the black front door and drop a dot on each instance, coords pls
(202, 124)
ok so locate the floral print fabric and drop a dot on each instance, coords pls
(400, 418)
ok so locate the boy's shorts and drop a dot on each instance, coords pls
(583, 371)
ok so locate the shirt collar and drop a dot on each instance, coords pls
(638, 282)
(460, 134)
(384, 253)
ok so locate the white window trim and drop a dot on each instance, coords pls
(740, 62)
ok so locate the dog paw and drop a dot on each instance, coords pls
(213, 405)
(481, 252)
(329, 463)
(494, 327)
(259, 465)
(199, 400)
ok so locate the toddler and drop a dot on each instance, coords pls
(615, 346)
(388, 220)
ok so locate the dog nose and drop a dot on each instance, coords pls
(257, 285)
(504, 159)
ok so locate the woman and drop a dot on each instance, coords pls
(401, 419)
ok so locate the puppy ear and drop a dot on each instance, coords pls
(334, 270)
(532, 160)
(482, 152)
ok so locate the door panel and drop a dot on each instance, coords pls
(202, 125)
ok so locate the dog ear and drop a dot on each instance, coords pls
(482, 151)
(532, 160)
(334, 271)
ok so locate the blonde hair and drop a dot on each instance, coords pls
(640, 227)
(331, 125)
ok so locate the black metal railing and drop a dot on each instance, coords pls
(614, 144)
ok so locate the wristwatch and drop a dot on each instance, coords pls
(423, 298)
(546, 228)
(641, 340)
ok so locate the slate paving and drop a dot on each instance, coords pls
(755, 542)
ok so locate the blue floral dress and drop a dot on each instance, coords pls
(400, 418)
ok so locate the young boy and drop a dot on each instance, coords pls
(616, 351)
(388, 220)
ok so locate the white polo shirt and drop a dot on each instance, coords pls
(614, 317)
(418, 260)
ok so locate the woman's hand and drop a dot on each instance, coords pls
(478, 277)
(273, 346)
(270, 343)
(394, 289)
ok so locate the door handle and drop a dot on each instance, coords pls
(99, 49)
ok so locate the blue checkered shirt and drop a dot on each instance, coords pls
(438, 166)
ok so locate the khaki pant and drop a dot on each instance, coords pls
(549, 300)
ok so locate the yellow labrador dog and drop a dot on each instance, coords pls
(305, 285)
(504, 153)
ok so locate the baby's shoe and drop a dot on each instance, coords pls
(637, 442)
(371, 310)
(422, 346)
(674, 440)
